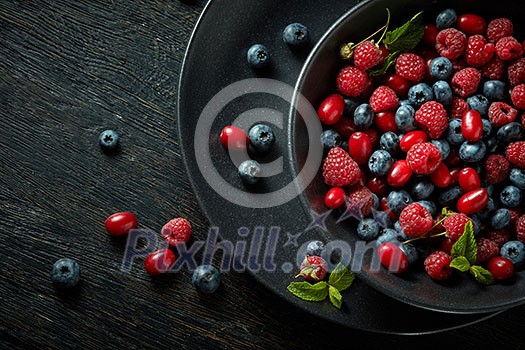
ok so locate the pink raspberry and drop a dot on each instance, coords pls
(499, 28)
(518, 96)
(451, 43)
(455, 225)
(352, 81)
(466, 81)
(508, 48)
(437, 265)
(383, 99)
(432, 116)
(500, 237)
(516, 72)
(367, 55)
(520, 229)
(459, 64)
(497, 168)
(339, 169)
(314, 268)
(487, 249)
(361, 196)
(415, 220)
(458, 107)
(177, 231)
(501, 113)
(515, 153)
(411, 67)
(479, 52)
(495, 69)
(423, 158)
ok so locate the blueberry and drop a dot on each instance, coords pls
(517, 178)
(449, 196)
(514, 251)
(476, 221)
(454, 135)
(487, 210)
(329, 139)
(405, 118)
(472, 152)
(363, 116)
(510, 132)
(422, 188)
(442, 92)
(402, 236)
(487, 128)
(261, 137)
(350, 106)
(404, 102)
(375, 205)
(492, 144)
(315, 248)
(250, 171)
(495, 90)
(419, 94)
(500, 219)
(389, 142)
(380, 162)
(206, 279)
(510, 196)
(443, 147)
(446, 19)
(65, 273)
(430, 206)
(397, 200)
(478, 103)
(296, 35)
(258, 56)
(367, 229)
(410, 251)
(441, 68)
(108, 140)
(387, 235)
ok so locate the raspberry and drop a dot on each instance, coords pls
(340, 169)
(514, 215)
(423, 158)
(176, 231)
(501, 113)
(455, 225)
(432, 116)
(361, 196)
(367, 55)
(487, 249)
(458, 107)
(500, 237)
(508, 48)
(437, 265)
(496, 168)
(518, 96)
(451, 43)
(499, 28)
(520, 229)
(314, 268)
(516, 153)
(383, 99)
(411, 67)
(516, 72)
(479, 51)
(352, 81)
(495, 69)
(466, 81)
(415, 220)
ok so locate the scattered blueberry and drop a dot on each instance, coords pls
(478, 103)
(380, 162)
(442, 92)
(404, 102)
(472, 152)
(363, 116)
(250, 171)
(389, 142)
(350, 106)
(296, 35)
(387, 235)
(108, 140)
(405, 120)
(476, 220)
(450, 196)
(329, 139)
(261, 137)
(402, 236)
(492, 144)
(495, 90)
(367, 229)
(65, 273)
(397, 200)
(517, 177)
(514, 251)
(443, 147)
(510, 132)
(430, 206)
(500, 219)
(315, 248)
(419, 94)
(422, 188)
(206, 279)
(410, 251)
(510, 196)
(454, 135)
(441, 68)
(258, 56)
(487, 128)
(487, 210)
(446, 19)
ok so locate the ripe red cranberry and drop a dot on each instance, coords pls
(377, 185)
(446, 245)
(234, 138)
(119, 224)
(441, 176)
(430, 34)
(345, 127)
(384, 51)
(331, 109)
(392, 257)
(473, 201)
(468, 179)
(373, 134)
(386, 121)
(501, 268)
(334, 198)
(471, 126)
(160, 261)
(411, 138)
(453, 159)
(360, 147)
(399, 174)
(471, 24)
(399, 84)
(454, 174)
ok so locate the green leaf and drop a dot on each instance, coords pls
(308, 291)
(460, 263)
(482, 275)
(389, 61)
(466, 245)
(406, 37)
(341, 278)
(335, 297)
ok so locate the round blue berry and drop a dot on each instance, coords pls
(108, 140)
(261, 138)
(258, 56)
(510, 196)
(419, 94)
(410, 251)
(402, 236)
(517, 178)
(363, 116)
(500, 219)
(380, 162)
(478, 103)
(65, 273)
(350, 106)
(404, 102)
(450, 196)
(442, 92)
(367, 229)
(389, 142)
(510, 132)
(514, 251)
(206, 279)
(441, 68)
(250, 171)
(454, 135)
(492, 144)
(472, 152)
(296, 35)
(422, 188)
(487, 128)
(495, 90)
(315, 248)
(430, 206)
(405, 120)
(488, 209)
(398, 200)
(476, 223)
(329, 139)
(446, 19)
(443, 147)
(387, 235)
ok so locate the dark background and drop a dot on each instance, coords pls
(69, 70)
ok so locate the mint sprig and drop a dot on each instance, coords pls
(340, 279)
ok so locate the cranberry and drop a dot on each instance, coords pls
(160, 261)
(399, 84)
(471, 24)
(453, 158)
(473, 201)
(472, 126)
(360, 147)
(374, 137)
(454, 174)
(446, 245)
(119, 224)
(411, 138)
(400, 173)
(384, 51)
(501, 268)
(468, 179)
(386, 121)
(234, 138)
(334, 198)
(331, 109)
(430, 34)
(392, 257)
(345, 127)
(441, 176)
(377, 185)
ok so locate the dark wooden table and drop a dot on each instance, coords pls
(68, 70)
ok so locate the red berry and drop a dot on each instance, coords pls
(501, 268)
(159, 262)
(455, 225)
(383, 99)
(500, 237)
(352, 81)
(176, 231)
(411, 138)
(466, 81)
(374, 137)
(432, 117)
(501, 113)
(473, 201)
(234, 138)
(119, 224)
(345, 127)
(518, 97)
(454, 175)
(479, 52)
(367, 55)
(516, 153)
(392, 257)
(471, 24)
(516, 72)
(314, 268)
(458, 107)
(509, 49)
(437, 265)
(423, 158)
(360, 147)
(377, 185)
(415, 220)
(334, 198)
(487, 249)
(497, 168)
(386, 121)
(429, 35)
(451, 43)
(399, 174)
(339, 169)
(446, 245)
(331, 109)
(411, 67)
(495, 69)
(361, 196)
(441, 176)
(399, 84)
(472, 126)
(499, 28)
(520, 229)
(453, 158)
(469, 179)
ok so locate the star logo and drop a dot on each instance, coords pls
(318, 220)
(353, 209)
(381, 217)
(292, 239)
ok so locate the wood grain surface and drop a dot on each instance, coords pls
(68, 70)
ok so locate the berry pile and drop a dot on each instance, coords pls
(442, 127)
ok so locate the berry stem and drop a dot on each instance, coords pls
(424, 236)
(385, 26)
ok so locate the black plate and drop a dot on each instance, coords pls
(215, 59)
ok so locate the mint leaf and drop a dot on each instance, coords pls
(406, 37)
(341, 278)
(308, 291)
(335, 297)
(389, 61)
(482, 275)
(466, 245)
(460, 263)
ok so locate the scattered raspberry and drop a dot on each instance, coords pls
(362, 197)
(411, 67)
(516, 153)
(352, 81)
(415, 220)
(437, 265)
(514, 215)
(479, 52)
(518, 96)
(451, 43)
(501, 113)
(496, 168)
(423, 158)
(455, 225)
(459, 64)
(495, 69)
(314, 268)
(339, 169)
(500, 237)
(516, 72)
(176, 231)
(383, 99)
(520, 229)
(508, 48)
(367, 55)
(523, 120)
(487, 249)
(432, 116)
(466, 81)
(458, 107)
(499, 28)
